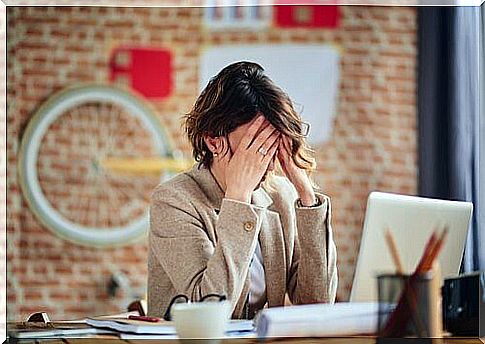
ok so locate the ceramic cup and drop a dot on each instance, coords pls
(201, 320)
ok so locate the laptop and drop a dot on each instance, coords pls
(411, 220)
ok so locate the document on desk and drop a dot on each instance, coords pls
(160, 328)
(133, 326)
(55, 330)
(228, 335)
(318, 320)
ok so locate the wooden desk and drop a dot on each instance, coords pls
(113, 339)
(341, 340)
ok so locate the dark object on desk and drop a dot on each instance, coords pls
(464, 304)
(138, 306)
(143, 318)
(39, 317)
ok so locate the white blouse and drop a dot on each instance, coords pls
(257, 289)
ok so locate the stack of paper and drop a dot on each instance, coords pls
(129, 328)
(318, 320)
(54, 330)
(133, 326)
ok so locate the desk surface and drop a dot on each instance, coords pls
(340, 340)
(113, 339)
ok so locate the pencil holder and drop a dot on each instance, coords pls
(409, 305)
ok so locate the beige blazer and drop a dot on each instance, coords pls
(202, 243)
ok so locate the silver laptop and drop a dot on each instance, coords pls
(411, 220)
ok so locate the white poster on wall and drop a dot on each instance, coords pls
(308, 73)
(230, 14)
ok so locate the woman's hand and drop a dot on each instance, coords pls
(249, 163)
(296, 175)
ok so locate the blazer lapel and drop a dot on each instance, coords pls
(206, 181)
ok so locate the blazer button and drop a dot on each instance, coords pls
(248, 226)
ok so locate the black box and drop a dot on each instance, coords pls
(464, 304)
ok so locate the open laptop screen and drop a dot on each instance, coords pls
(411, 220)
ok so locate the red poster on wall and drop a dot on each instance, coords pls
(145, 69)
(306, 16)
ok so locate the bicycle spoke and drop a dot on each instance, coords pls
(116, 206)
(115, 190)
(101, 206)
(139, 180)
(86, 189)
(85, 218)
(96, 127)
(124, 192)
(111, 137)
(85, 130)
(105, 110)
(131, 193)
(95, 196)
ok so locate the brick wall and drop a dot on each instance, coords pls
(373, 145)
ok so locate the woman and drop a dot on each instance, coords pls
(228, 226)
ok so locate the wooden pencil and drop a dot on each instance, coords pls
(395, 325)
(428, 265)
(427, 251)
(391, 244)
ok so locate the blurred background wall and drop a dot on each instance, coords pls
(3, 181)
(372, 146)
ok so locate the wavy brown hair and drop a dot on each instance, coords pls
(234, 97)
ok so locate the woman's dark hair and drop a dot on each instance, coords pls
(234, 97)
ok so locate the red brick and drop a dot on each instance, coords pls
(60, 296)
(119, 24)
(81, 21)
(35, 46)
(11, 297)
(32, 295)
(40, 269)
(34, 32)
(60, 34)
(40, 20)
(79, 310)
(62, 269)
(77, 48)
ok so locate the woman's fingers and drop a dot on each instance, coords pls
(252, 131)
(282, 155)
(284, 150)
(287, 143)
(262, 137)
(271, 153)
(269, 143)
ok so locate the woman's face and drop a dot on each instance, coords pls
(236, 136)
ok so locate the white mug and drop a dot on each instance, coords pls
(201, 320)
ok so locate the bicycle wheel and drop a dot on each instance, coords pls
(60, 164)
